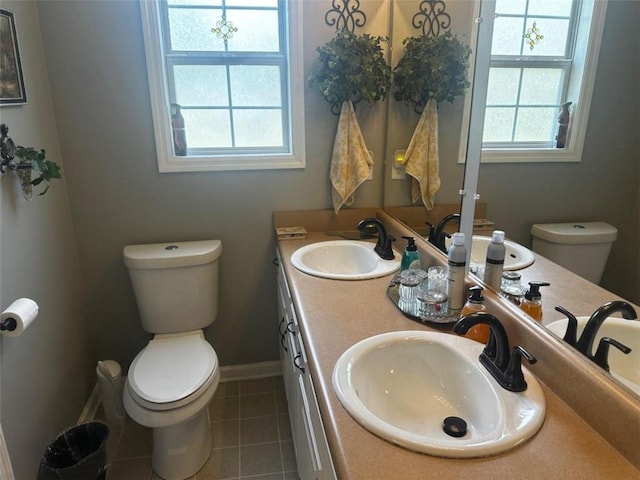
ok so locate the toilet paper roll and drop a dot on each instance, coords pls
(18, 316)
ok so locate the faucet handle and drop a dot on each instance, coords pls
(513, 376)
(602, 353)
(571, 335)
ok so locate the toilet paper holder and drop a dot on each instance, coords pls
(8, 324)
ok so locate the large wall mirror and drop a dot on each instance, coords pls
(603, 186)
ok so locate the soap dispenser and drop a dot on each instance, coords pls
(532, 302)
(411, 257)
(475, 303)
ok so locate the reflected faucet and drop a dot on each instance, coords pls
(437, 234)
(383, 245)
(585, 343)
(504, 366)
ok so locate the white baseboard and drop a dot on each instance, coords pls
(250, 371)
(230, 373)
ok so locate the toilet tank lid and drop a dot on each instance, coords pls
(575, 233)
(172, 254)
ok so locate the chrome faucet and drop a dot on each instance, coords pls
(437, 234)
(504, 366)
(383, 245)
(585, 343)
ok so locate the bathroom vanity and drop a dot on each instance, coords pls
(321, 318)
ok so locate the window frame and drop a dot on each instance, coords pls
(160, 83)
(590, 26)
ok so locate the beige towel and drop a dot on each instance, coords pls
(350, 161)
(421, 159)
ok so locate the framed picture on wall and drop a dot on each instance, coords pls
(12, 90)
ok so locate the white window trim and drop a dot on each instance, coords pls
(160, 109)
(593, 11)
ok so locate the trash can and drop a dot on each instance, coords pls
(111, 381)
(79, 453)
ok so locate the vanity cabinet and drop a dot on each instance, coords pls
(310, 443)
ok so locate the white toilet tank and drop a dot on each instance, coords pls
(582, 248)
(175, 284)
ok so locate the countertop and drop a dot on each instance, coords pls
(334, 315)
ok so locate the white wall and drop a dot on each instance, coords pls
(46, 372)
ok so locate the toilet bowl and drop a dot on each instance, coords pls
(172, 380)
(582, 247)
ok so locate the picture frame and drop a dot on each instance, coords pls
(12, 91)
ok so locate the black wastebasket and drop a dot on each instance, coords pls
(79, 453)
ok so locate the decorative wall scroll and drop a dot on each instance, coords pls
(345, 15)
(432, 18)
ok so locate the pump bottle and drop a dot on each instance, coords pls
(532, 303)
(494, 263)
(457, 260)
(411, 257)
(475, 303)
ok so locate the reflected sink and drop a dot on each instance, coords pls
(402, 385)
(516, 256)
(624, 368)
(343, 260)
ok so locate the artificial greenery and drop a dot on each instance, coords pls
(42, 170)
(432, 67)
(351, 67)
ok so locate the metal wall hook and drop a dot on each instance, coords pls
(8, 152)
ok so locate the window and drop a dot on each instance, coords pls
(232, 69)
(543, 55)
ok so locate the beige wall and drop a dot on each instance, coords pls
(98, 80)
(46, 372)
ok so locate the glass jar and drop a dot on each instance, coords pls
(511, 288)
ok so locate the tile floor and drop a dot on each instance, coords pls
(251, 437)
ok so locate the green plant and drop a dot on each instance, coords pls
(42, 170)
(351, 67)
(432, 67)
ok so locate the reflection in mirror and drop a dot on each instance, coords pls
(602, 186)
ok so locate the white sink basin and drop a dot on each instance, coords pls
(516, 256)
(624, 368)
(343, 260)
(402, 385)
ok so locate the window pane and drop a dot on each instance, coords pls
(201, 85)
(257, 31)
(516, 7)
(535, 125)
(255, 86)
(258, 128)
(559, 8)
(498, 124)
(252, 3)
(207, 3)
(541, 86)
(207, 128)
(507, 36)
(190, 29)
(503, 86)
(555, 37)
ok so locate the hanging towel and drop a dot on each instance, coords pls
(421, 159)
(350, 161)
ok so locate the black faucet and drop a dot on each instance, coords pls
(383, 245)
(585, 343)
(504, 366)
(437, 234)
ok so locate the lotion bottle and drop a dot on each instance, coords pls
(457, 260)
(532, 303)
(494, 263)
(411, 257)
(475, 303)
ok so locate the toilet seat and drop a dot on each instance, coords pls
(172, 370)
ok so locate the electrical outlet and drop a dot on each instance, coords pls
(397, 166)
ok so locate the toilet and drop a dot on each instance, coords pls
(172, 380)
(582, 248)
